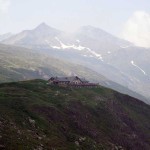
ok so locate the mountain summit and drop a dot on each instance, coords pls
(44, 29)
(39, 37)
(43, 25)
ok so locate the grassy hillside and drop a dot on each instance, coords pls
(34, 115)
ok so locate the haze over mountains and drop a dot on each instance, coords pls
(114, 58)
(5, 36)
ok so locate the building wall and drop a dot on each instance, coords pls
(77, 81)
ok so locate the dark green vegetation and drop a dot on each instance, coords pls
(34, 115)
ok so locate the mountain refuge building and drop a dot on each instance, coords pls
(73, 81)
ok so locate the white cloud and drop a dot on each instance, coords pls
(137, 29)
(4, 6)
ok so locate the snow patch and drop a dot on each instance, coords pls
(132, 62)
(95, 54)
(85, 55)
(108, 52)
(125, 46)
(80, 48)
(64, 46)
(56, 47)
(78, 41)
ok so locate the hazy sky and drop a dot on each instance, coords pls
(115, 16)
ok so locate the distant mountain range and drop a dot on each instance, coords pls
(116, 59)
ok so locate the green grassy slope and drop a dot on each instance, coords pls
(34, 115)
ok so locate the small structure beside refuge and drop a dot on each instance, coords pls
(73, 81)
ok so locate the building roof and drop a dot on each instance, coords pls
(83, 80)
(66, 79)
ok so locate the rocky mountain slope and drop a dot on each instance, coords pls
(34, 115)
(114, 58)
